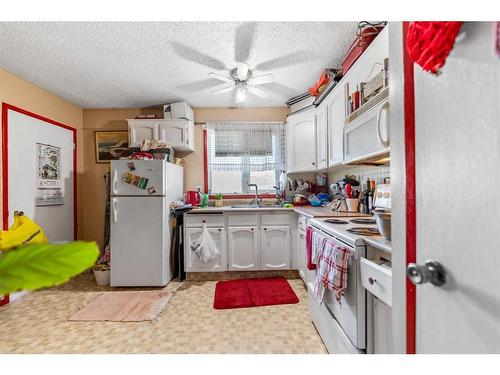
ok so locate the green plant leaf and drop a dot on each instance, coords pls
(40, 266)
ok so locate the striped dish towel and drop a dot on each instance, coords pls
(332, 270)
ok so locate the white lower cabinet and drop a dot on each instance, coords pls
(275, 247)
(301, 254)
(243, 248)
(246, 241)
(192, 262)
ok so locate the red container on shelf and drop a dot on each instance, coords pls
(359, 45)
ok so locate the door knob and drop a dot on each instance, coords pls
(431, 271)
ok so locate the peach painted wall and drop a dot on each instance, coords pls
(115, 119)
(23, 94)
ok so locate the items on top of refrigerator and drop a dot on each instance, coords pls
(152, 144)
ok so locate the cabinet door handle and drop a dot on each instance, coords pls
(252, 229)
(265, 228)
(220, 230)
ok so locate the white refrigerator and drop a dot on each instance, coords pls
(140, 232)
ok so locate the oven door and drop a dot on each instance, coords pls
(350, 311)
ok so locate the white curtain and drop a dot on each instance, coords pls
(246, 147)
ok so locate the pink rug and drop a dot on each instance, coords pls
(133, 306)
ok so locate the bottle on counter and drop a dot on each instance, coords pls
(370, 201)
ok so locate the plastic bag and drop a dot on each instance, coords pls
(205, 247)
(22, 232)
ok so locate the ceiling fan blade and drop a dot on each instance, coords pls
(263, 79)
(287, 60)
(243, 40)
(258, 92)
(220, 77)
(242, 71)
(193, 55)
(223, 90)
(202, 85)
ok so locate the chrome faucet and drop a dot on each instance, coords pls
(256, 201)
(278, 195)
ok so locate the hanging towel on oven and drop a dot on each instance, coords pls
(309, 248)
(315, 242)
(332, 270)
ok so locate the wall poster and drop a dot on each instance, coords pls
(48, 181)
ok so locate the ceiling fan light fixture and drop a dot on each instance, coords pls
(241, 93)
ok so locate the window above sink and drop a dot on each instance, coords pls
(239, 153)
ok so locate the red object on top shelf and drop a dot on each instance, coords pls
(359, 45)
(323, 80)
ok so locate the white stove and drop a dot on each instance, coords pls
(338, 227)
(343, 323)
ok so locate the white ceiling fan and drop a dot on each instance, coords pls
(243, 81)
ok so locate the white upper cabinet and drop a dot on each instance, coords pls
(289, 147)
(138, 130)
(275, 247)
(177, 133)
(336, 118)
(322, 135)
(303, 141)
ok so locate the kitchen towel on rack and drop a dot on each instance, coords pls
(332, 270)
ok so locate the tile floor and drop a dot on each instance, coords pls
(189, 324)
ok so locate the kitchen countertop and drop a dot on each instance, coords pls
(311, 211)
(308, 211)
(379, 242)
(212, 209)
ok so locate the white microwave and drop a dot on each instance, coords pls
(366, 139)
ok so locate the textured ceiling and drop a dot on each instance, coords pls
(140, 64)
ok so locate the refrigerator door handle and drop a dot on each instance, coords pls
(115, 178)
(115, 211)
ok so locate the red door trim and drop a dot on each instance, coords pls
(205, 162)
(411, 221)
(5, 165)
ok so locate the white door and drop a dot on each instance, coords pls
(138, 177)
(304, 142)
(336, 120)
(457, 150)
(25, 135)
(321, 135)
(243, 248)
(275, 247)
(173, 132)
(138, 130)
(192, 262)
(139, 240)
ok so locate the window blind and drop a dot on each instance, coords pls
(245, 147)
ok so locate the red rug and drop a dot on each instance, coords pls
(233, 294)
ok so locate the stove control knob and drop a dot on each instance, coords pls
(431, 271)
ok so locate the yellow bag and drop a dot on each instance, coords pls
(22, 232)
